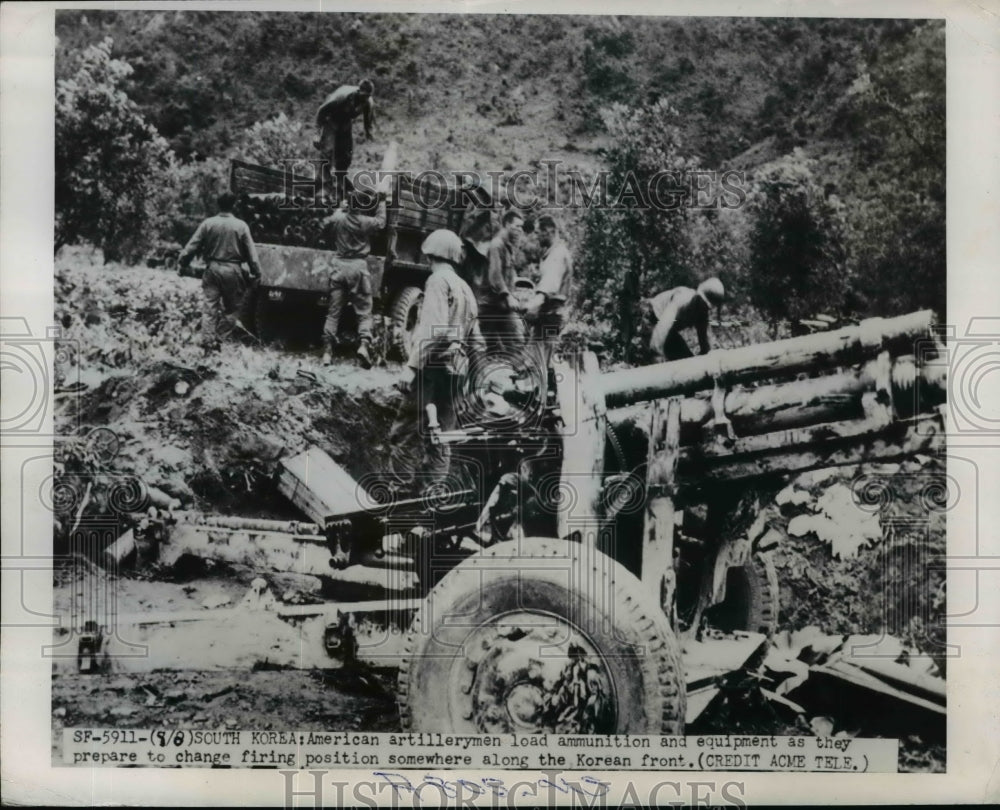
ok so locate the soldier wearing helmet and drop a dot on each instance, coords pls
(683, 308)
(335, 122)
(447, 329)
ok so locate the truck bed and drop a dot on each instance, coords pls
(423, 206)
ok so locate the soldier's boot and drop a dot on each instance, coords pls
(328, 344)
(364, 353)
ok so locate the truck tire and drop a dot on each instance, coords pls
(751, 601)
(403, 317)
(508, 641)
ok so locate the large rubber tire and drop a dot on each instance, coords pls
(403, 316)
(572, 592)
(751, 601)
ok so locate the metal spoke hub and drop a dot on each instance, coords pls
(532, 672)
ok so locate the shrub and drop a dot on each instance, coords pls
(895, 114)
(273, 141)
(190, 192)
(109, 162)
(797, 263)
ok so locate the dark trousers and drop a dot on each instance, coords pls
(676, 348)
(226, 296)
(336, 145)
(415, 463)
(543, 338)
(501, 326)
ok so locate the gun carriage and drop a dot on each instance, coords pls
(590, 566)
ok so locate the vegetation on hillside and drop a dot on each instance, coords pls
(109, 161)
(837, 125)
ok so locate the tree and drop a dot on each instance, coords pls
(895, 114)
(637, 241)
(798, 264)
(109, 162)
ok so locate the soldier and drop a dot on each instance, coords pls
(350, 233)
(335, 121)
(476, 235)
(446, 332)
(546, 311)
(498, 309)
(684, 308)
(225, 243)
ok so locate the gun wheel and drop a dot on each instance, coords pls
(751, 601)
(541, 635)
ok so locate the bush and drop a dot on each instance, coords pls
(190, 192)
(895, 114)
(797, 263)
(109, 163)
(273, 141)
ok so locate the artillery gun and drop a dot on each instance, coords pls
(563, 578)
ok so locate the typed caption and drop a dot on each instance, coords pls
(192, 748)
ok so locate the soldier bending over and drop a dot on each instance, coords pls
(684, 308)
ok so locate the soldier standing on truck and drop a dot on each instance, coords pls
(545, 313)
(498, 309)
(350, 233)
(225, 243)
(684, 308)
(335, 122)
(446, 333)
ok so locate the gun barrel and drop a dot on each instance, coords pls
(802, 403)
(842, 347)
(295, 527)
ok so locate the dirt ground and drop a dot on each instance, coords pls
(208, 431)
(130, 336)
(281, 700)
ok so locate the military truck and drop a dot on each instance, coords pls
(285, 214)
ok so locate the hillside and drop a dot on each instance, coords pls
(462, 90)
(836, 126)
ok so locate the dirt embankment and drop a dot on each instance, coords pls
(204, 429)
(138, 401)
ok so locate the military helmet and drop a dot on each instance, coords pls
(443, 244)
(711, 290)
